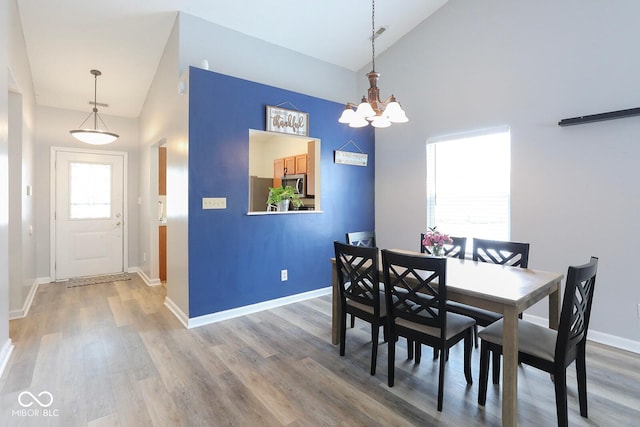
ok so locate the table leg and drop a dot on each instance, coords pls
(554, 310)
(510, 368)
(335, 312)
(554, 307)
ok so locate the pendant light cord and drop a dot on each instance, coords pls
(95, 101)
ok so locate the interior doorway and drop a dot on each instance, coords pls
(162, 213)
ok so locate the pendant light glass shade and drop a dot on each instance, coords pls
(94, 136)
(347, 115)
(380, 122)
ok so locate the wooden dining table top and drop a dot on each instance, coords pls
(492, 285)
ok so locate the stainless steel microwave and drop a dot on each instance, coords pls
(298, 182)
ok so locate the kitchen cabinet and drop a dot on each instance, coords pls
(311, 168)
(278, 172)
(301, 163)
(290, 165)
(162, 246)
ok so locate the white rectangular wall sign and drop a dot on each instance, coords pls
(287, 121)
(350, 158)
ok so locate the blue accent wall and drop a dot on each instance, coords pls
(235, 259)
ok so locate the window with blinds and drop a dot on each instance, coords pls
(468, 184)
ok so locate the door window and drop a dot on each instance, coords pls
(89, 190)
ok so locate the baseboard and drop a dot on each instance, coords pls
(19, 314)
(254, 308)
(596, 336)
(43, 280)
(146, 279)
(180, 315)
(5, 354)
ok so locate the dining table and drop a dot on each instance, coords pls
(499, 288)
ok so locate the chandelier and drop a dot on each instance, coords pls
(94, 136)
(371, 109)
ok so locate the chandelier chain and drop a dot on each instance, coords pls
(372, 110)
(373, 35)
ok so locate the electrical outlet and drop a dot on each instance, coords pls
(284, 275)
(144, 256)
(638, 311)
(214, 203)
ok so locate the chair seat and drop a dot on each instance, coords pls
(483, 317)
(532, 339)
(456, 324)
(369, 308)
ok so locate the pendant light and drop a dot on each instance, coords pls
(94, 136)
(371, 109)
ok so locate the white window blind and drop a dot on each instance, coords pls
(468, 184)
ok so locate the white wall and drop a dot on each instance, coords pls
(528, 64)
(235, 54)
(53, 130)
(5, 341)
(164, 120)
(22, 235)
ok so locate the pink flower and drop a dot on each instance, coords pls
(435, 238)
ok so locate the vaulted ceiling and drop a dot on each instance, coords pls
(125, 39)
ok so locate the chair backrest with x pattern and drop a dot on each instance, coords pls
(358, 274)
(455, 250)
(362, 238)
(576, 309)
(514, 254)
(415, 288)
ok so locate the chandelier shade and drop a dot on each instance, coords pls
(94, 136)
(372, 110)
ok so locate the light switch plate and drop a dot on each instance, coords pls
(214, 203)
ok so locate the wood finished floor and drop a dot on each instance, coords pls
(113, 355)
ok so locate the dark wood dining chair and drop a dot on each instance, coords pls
(362, 238)
(415, 289)
(549, 350)
(360, 294)
(514, 254)
(456, 249)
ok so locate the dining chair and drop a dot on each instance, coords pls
(514, 254)
(456, 249)
(362, 238)
(360, 293)
(415, 288)
(549, 350)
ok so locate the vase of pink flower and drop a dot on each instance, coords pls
(435, 241)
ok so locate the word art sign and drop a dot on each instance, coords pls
(350, 158)
(287, 121)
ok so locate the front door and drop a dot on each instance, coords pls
(88, 214)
